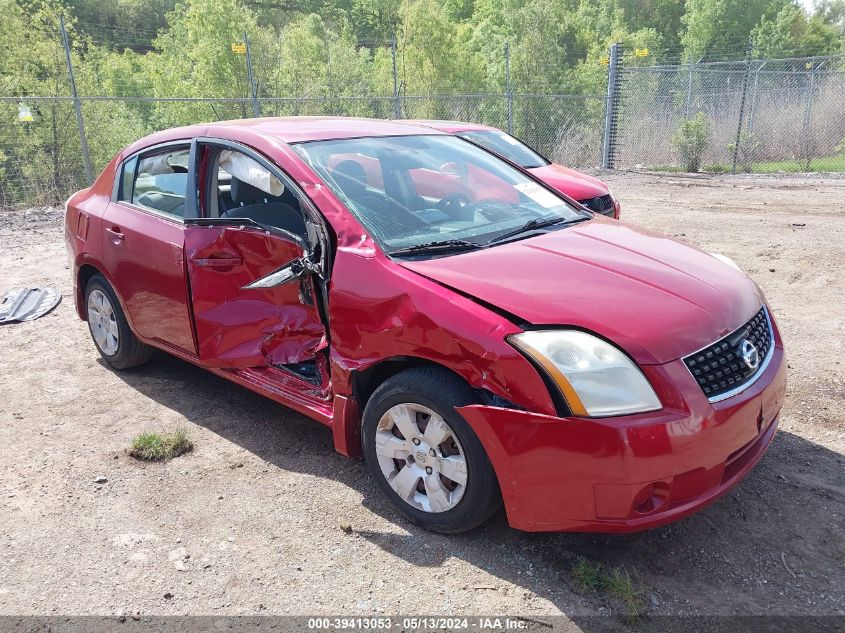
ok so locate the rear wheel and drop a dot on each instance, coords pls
(116, 343)
(425, 456)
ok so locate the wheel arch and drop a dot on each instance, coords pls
(87, 270)
(349, 413)
(364, 382)
(84, 274)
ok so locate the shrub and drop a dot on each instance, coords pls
(748, 146)
(691, 139)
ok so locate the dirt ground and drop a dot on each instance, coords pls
(249, 523)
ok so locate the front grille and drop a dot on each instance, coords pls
(721, 370)
(600, 204)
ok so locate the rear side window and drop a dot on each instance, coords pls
(127, 178)
(161, 182)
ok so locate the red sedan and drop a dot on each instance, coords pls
(476, 337)
(590, 192)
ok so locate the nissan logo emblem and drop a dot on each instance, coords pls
(750, 355)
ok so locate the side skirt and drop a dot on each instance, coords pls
(283, 387)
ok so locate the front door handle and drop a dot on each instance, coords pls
(217, 262)
(116, 236)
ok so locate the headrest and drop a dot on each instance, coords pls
(243, 193)
(350, 174)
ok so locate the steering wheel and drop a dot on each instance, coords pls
(454, 201)
(495, 209)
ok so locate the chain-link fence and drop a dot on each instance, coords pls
(754, 115)
(751, 115)
(41, 160)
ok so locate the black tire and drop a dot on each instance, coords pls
(441, 392)
(130, 351)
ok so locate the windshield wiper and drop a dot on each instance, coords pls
(536, 223)
(444, 246)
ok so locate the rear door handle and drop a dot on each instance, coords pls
(217, 262)
(115, 235)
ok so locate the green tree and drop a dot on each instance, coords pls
(195, 59)
(122, 24)
(435, 56)
(316, 61)
(42, 158)
(662, 16)
(494, 24)
(716, 29)
(792, 33)
(375, 20)
(833, 13)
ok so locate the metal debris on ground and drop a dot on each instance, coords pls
(26, 304)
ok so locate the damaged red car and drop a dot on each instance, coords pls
(477, 337)
(588, 191)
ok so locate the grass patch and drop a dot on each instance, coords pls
(825, 164)
(615, 581)
(156, 447)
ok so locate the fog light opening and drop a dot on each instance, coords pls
(651, 497)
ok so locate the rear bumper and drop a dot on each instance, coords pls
(630, 473)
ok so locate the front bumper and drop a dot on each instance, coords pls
(630, 473)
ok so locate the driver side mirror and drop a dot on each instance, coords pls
(293, 270)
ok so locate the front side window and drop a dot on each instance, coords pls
(505, 145)
(161, 182)
(434, 189)
(242, 187)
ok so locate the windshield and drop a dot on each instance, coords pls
(412, 192)
(505, 145)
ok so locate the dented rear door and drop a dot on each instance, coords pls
(249, 327)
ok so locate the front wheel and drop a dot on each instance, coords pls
(115, 341)
(425, 456)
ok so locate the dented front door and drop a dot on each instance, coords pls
(238, 326)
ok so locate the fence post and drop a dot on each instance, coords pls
(397, 104)
(256, 107)
(807, 146)
(77, 106)
(741, 108)
(508, 89)
(688, 99)
(753, 105)
(611, 113)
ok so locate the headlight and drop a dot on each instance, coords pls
(726, 260)
(594, 377)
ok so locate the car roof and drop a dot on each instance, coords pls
(450, 127)
(318, 128)
(291, 129)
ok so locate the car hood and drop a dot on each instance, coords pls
(655, 297)
(570, 182)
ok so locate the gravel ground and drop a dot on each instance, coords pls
(249, 523)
